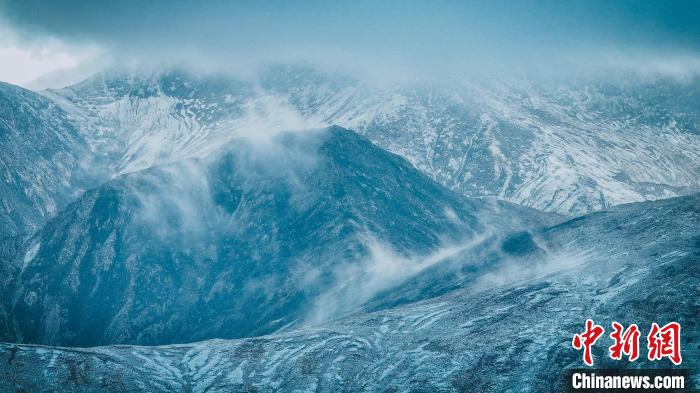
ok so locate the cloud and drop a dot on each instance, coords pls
(173, 200)
(24, 60)
(424, 37)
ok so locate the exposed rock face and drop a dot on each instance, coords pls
(44, 161)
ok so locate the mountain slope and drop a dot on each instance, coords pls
(240, 244)
(44, 160)
(634, 264)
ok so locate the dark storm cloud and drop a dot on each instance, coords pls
(430, 34)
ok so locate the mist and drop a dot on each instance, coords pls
(388, 40)
(384, 268)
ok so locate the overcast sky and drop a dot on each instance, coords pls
(40, 36)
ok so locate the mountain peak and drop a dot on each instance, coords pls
(238, 243)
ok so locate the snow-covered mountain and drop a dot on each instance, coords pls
(169, 208)
(143, 119)
(567, 145)
(634, 264)
(244, 243)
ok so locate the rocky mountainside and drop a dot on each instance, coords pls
(244, 243)
(634, 264)
(44, 160)
(568, 145)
